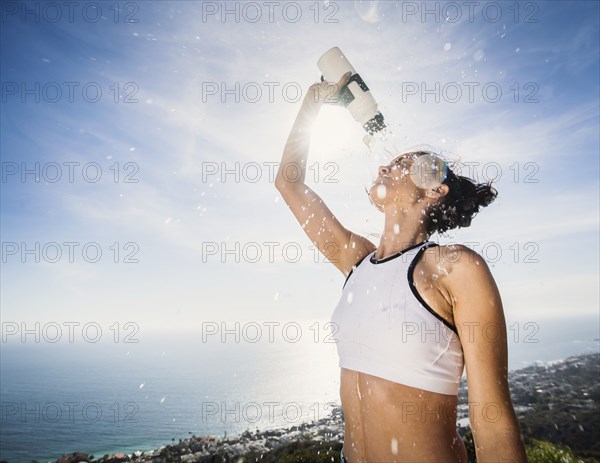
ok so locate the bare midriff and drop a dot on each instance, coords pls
(391, 422)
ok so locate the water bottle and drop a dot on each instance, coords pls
(355, 95)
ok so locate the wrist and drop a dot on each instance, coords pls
(312, 102)
(314, 95)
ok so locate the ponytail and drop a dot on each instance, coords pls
(461, 204)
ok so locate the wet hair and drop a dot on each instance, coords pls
(463, 201)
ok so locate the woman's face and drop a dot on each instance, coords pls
(394, 185)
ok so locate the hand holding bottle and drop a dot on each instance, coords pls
(325, 92)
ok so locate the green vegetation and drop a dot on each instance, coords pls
(321, 452)
(294, 452)
(546, 452)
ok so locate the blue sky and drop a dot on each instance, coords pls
(542, 132)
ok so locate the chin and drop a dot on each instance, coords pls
(374, 202)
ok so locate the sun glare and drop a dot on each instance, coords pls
(335, 135)
(338, 138)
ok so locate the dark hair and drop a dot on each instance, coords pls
(460, 204)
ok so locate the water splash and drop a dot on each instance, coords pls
(382, 136)
(369, 141)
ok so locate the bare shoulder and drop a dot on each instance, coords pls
(454, 262)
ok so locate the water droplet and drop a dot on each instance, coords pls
(447, 46)
(350, 297)
(394, 446)
(381, 191)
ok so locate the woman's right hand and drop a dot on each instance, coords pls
(327, 92)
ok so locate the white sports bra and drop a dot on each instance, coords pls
(384, 328)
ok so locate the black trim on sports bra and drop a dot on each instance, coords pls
(353, 267)
(411, 269)
(393, 256)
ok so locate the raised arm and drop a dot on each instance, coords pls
(338, 244)
(479, 317)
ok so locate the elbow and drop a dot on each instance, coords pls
(506, 445)
(279, 182)
(506, 431)
(283, 185)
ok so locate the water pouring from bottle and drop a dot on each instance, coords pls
(428, 171)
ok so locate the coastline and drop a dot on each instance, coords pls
(327, 429)
(538, 391)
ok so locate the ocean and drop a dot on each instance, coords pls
(109, 397)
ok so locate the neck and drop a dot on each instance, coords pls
(401, 231)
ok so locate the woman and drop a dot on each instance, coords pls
(411, 315)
